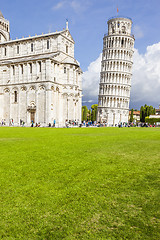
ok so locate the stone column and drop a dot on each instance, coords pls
(48, 106)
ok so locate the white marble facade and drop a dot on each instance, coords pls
(40, 80)
(116, 72)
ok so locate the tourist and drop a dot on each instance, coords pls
(54, 123)
(32, 124)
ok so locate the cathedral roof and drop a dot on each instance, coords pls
(71, 61)
(43, 35)
(31, 58)
(1, 15)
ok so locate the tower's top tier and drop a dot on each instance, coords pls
(4, 29)
(1, 15)
(119, 26)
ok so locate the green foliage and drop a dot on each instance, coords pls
(84, 113)
(89, 115)
(94, 112)
(146, 111)
(142, 114)
(152, 120)
(84, 183)
(131, 117)
(154, 111)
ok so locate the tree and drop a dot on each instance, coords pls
(147, 108)
(150, 111)
(154, 111)
(131, 117)
(84, 113)
(94, 108)
(89, 115)
(142, 114)
(146, 111)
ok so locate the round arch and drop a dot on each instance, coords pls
(2, 33)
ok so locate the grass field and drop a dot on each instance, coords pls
(100, 183)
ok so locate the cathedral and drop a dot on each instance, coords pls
(40, 80)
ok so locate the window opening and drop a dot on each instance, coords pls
(30, 67)
(47, 44)
(68, 75)
(66, 49)
(13, 69)
(123, 30)
(21, 69)
(15, 96)
(40, 67)
(31, 47)
(17, 49)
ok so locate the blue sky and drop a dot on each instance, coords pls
(87, 24)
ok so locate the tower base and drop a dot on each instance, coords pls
(113, 117)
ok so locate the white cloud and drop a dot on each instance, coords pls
(77, 6)
(59, 5)
(89, 101)
(146, 76)
(145, 80)
(91, 80)
(138, 32)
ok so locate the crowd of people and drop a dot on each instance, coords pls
(120, 124)
(72, 123)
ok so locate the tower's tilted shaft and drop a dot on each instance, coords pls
(115, 79)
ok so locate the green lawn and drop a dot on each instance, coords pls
(100, 183)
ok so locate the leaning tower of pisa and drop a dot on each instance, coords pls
(116, 66)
